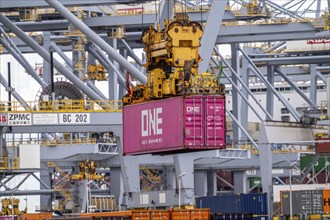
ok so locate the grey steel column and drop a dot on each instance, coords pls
(45, 54)
(270, 94)
(46, 63)
(244, 109)
(22, 60)
(2, 141)
(266, 161)
(112, 77)
(328, 92)
(45, 176)
(211, 32)
(313, 83)
(200, 180)
(211, 183)
(235, 102)
(122, 90)
(241, 184)
(318, 9)
(166, 10)
(184, 167)
(97, 39)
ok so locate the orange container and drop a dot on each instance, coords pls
(190, 214)
(37, 216)
(100, 215)
(151, 215)
(326, 201)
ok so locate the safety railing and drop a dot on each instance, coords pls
(280, 150)
(68, 142)
(65, 105)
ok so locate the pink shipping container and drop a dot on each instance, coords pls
(174, 125)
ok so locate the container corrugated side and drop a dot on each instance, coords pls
(233, 216)
(323, 148)
(220, 204)
(190, 214)
(303, 202)
(326, 201)
(37, 216)
(285, 202)
(253, 203)
(175, 124)
(317, 198)
(153, 126)
(150, 214)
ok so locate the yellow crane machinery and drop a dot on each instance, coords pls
(66, 193)
(254, 8)
(326, 20)
(9, 206)
(29, 14)
(87, 170)
(96, 72)
(5, 209)
(150, 179)
(172, 63)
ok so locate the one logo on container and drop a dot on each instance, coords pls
(193, 109)
(151, 120)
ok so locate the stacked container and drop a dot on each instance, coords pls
(323, 148)
(254, 204)
(303, 202)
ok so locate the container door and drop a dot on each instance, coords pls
(317, 203)
(193, 121)
(306, 202)
(296, 202)
(326, 200)
(215, 122)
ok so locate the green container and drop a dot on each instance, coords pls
(254, 181)
(305, 160)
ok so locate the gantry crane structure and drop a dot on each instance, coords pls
(59, 26)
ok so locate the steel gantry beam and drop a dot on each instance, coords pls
(257, 72)
(9, 4)
(293, 85)
(227, 35)
(98, 54)
(243, 84)
(12, 48)
(97, 40)
(45, 54)
(14, 93)
(211, 30)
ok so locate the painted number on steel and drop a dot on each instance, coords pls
(75, 118)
